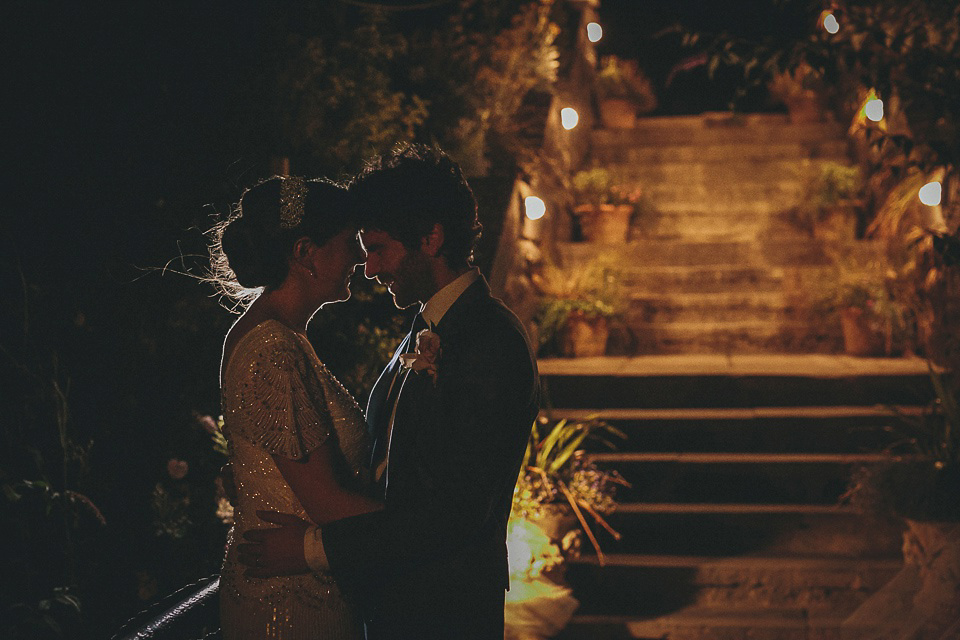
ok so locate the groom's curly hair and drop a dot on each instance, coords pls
(407, 191)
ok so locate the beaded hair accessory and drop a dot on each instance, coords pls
(293, 191)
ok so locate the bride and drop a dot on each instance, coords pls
(297, 438)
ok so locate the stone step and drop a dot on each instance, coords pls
(711, 381)
(634, 584)
(717, 336)
(621, 154)
(741, 170)
(698, 307)
(704, 623)
(695, 478)
(730, 529)
(730, 197)
(726, 254)
(700, 279)
(839, 429)
(696, 225)
(711, 128)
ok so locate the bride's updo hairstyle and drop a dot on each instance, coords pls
(251, 248)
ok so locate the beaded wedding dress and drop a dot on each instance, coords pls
(279, 399)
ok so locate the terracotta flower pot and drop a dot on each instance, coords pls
(618, 113)
(859, 337)
(585, 336)
(803, 107)
(605, 223)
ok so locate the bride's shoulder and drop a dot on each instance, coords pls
(251, 338)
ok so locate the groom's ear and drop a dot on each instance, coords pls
(431, 243)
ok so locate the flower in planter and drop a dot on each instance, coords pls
(606, 204)
(558, 489)
(582, 301)
(623, 79)
(597, 186)
(859, 297)
(832, 200)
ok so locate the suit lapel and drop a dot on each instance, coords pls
(379, 405)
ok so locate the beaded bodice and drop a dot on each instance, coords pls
(279, 399)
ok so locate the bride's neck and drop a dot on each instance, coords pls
(285, 307)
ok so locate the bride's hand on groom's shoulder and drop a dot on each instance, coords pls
(277, 551)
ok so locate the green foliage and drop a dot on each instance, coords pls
(496, 56)
(908, 50)
(556, 469)
(618, 78)
(833, 188)
(335, 100)
(599, 185)
(926, 485)
(592, 289)
(836, 182)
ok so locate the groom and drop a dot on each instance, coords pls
(449, 427)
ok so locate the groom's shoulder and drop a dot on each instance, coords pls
(490, 323)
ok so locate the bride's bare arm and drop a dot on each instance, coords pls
(316, 486)
(280, 551)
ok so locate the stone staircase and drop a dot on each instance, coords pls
(732, 528)
(713, 264)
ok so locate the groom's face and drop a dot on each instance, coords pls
(405, 273)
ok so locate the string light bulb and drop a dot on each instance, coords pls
(874, 110)
(569, 118)
(534, 207)
(931, 193)
(594, 32)
(830, 23)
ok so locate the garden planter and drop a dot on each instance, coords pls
(838, 223)
(803, 106)
(605, 223)
(618, 113)
(860, 337)
(584, 336)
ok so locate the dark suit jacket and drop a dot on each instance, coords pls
(433, 564)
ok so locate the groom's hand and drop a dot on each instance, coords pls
(275, 551)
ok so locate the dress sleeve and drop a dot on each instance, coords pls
(279, 402)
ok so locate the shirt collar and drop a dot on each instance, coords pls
(436, 307)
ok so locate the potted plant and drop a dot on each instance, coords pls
(605, 205)
(858, 296)
(576, 308)
(919, 486)
(559, 493)
(623, 91)
(832, 200)
(797, 89)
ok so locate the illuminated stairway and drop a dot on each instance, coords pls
(713, 266)
(731, 530)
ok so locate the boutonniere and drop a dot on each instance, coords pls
(427, 355)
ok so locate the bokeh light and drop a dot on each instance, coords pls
(874, 109)
(830, 23)
(534, 207)
(931, 193)
(594, 32)
(569, 118)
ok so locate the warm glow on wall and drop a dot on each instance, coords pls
(931, 193)
(534, 207)
(874, 109)
(594, 32)
(569, 117)
(830, 22)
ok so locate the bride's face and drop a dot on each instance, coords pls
(334, 264)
